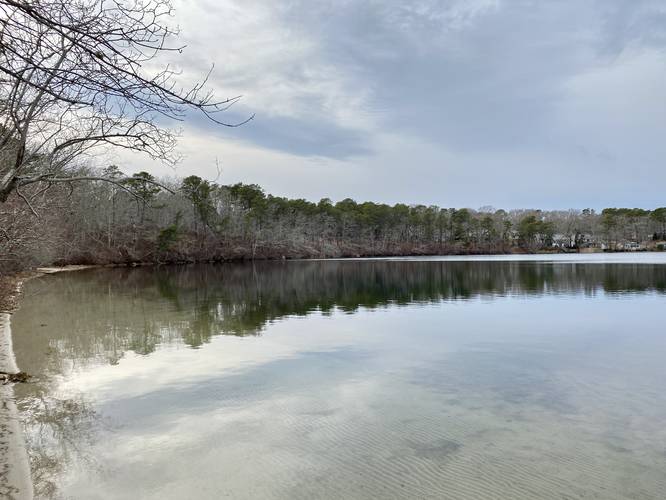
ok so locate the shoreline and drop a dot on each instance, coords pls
(11, 285)
(15, 474)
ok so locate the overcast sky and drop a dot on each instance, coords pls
(509, 103)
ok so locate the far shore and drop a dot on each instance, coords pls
(11, 284)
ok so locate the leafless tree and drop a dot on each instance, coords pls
(77, 75)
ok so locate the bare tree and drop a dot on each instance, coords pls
(77, 75)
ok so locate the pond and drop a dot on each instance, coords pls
(460, 378)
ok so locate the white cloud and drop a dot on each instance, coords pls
(619, 106)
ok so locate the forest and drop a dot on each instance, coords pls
(140, 219)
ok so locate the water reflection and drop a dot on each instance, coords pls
(147, 377)
(124, 307)
(61, 430)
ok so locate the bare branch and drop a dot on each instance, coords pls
(121, 183)
(75, 76)
(27, 202)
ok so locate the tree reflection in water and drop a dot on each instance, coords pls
(58, 432)
(112, 311)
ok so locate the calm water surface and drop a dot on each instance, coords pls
(431, 378)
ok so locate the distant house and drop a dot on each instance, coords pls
(632, 246)
(582, 241)
(561, 241)
(587, 240)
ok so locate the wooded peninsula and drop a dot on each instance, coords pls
(140, 219)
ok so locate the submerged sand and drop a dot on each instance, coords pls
(15, 480)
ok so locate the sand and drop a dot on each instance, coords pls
(15, 480)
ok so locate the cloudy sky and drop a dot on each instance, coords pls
(509, 103)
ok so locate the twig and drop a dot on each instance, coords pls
(27, 202)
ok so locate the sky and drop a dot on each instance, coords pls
(460, 103)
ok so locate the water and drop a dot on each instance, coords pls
(416, 378)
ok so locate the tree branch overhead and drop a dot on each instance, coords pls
(74, 77)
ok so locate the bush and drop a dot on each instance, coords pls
(168, 236)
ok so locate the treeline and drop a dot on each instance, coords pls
(139, 219)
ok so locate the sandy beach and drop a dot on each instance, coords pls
(15, 480)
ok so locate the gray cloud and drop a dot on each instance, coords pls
(308, 138)
(555, 103)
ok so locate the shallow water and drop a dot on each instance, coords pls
(411, 378)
